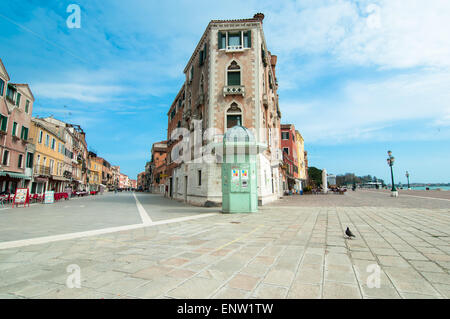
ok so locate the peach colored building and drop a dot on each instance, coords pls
(230, 80)
(16, 156)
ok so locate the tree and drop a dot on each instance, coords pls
(315, 176)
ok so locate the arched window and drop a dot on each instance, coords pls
(234, 116)
(234, 74)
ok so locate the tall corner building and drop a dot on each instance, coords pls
(230, 80)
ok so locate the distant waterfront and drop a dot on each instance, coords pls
(443, 188)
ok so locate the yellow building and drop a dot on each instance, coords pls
(301, 157)
(95, 172)
(49, 157)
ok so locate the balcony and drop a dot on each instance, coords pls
(233, 90)
(42, 170)
(234, 48)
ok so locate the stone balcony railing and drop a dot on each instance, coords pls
(233, 90)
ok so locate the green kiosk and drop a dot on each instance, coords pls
(239, 179)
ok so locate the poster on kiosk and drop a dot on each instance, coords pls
(22, 197)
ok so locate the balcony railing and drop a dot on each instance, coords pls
(234, 90)
(41, 170)
(234, 47)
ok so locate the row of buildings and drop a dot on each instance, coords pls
(230, 80)
(45, 153)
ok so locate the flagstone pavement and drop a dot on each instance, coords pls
(294, 248)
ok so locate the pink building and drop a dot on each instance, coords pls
(16, 154)
(124, 181)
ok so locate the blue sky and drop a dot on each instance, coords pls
(356, 77)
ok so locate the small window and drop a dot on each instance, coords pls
(47, 140)
(234, 39)
(234, 120)
(234, 74)
(4, 123)
(234, 78)
(19, 163)
(53, 143)
(14, 129)
(27, 106)
(286, 150)
(29, 163)
(199, 178)
(24, 133)
(2, 87)
(5, 159)
(18, 99)
(285, 135)
(40, 137)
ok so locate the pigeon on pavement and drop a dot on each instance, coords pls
(349, 233)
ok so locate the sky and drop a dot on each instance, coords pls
(357, 78)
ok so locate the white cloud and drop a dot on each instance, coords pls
(370, 110)
(78, 92)
(385, 33)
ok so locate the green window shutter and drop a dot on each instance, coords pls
(26, 134)
(27, 105)
(248, 39)
(2, 87)
(18, 99)
(4, 120)
(234, 78)
(205, 48)
(14, 129)
(220, 40)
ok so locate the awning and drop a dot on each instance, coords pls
(15, 175)
(58, 178)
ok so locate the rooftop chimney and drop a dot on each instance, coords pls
(259, 16)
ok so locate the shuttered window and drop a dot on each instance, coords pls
(234, 78)
(2, 87)
(27, 106)
(4, 122)
(18, 99)
(24, 133)
(222, 40)
(14, 130)
(247, 39)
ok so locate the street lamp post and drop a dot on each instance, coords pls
(390, 161)
(407, 176)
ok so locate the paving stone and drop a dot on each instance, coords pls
(309, 274)
(413, 256)
(280, 277)
(340, 273)
(313, 259)
(334, 290)
(426, 266)
(231, 293)
(393, 261)
(152, 272)
(195, 288)
(437, 278)
(407, 295)
(408, 280)
(243, 282)
(362, 255)
(155, 288)
(304, 291)
(270, 292)
(122, 286)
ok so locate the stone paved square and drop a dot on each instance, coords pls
(293, 248)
